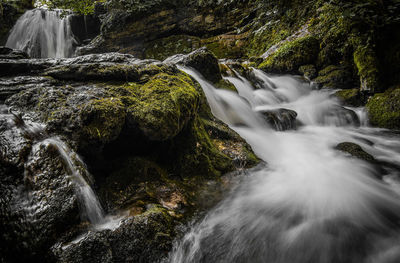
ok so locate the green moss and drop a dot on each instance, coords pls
(224, 47)
(224, 84)
(335, 77)
(350, 97)
(309, 71)
(384, 109)
(201, 157)
(164, 106)
(103, 119)
(292, 55)
(168, 46)
(367, 65)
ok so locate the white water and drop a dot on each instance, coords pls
(90, 205)
(77, 171)
(43, 34)
(313, 203)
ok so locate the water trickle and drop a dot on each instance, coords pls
(43, 34)
(75, 167)
(312, 203)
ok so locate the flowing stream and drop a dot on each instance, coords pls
(312, 203)
(43, 34)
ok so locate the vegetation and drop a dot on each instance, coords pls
(79, 6)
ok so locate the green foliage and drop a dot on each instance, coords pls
(84, 7)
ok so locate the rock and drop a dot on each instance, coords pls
(147, 140)
(309, 71)
(367, 64)
(9, 53)
(356, 151)
(201, 60)
(384, 109)
(281, 119)
(350, 97)
(13, 85)
(39, 200)
(158, 29)
(290, 56)
(143, 238)
(10, 11)
(340, 116)
(335, 78)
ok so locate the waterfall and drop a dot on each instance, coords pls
(74, 166)
(311, 203)
(43, 34)
(90, 205)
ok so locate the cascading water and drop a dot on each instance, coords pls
(312, 203)
(76, 168)
(43, 34)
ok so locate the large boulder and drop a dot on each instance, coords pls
(384, 109)
(201, 60)
(147, 136)
(290, 56)
(281, 119)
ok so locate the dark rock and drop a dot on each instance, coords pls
(201, 60)
(85, 28)
(13, 85)
(351, 97)
(355, 150)
(335, 77)
(281, 119)
(340, 116)
(309, 71)
(9, 53)
(143, 238)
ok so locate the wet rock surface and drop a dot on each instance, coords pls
(149, 140)
(281, 119)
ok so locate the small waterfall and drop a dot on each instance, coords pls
(90, 205)
(43, 34)
(312, 203)
(75, 167)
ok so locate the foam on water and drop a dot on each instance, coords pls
(312, 203)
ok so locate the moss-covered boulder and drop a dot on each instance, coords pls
(368, 69)
(335, 77)
(202, 60)
(150, 141)
(384, 109)
(289, 57)
(350, 97)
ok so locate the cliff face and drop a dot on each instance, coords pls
(350, 45)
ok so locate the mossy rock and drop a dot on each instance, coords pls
(384, 109)
(355, 150)
(350, 97)
(224, 84)
(335, 77)
(367, 64)
(163, 106)
(309, 71)
(103, 119)
(289, 57)
(176, 44)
